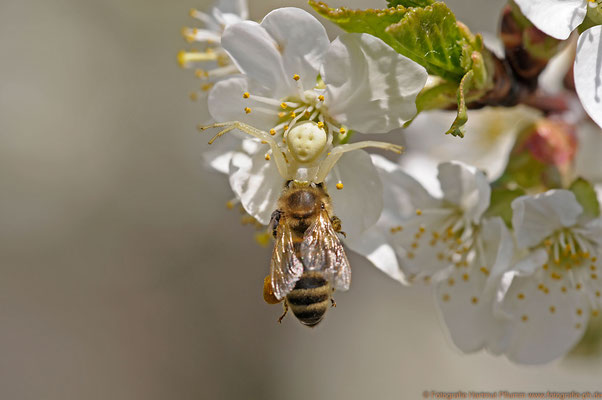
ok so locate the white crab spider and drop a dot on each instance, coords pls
(308, 155)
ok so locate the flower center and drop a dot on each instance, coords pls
(305, 105)
(567, 249)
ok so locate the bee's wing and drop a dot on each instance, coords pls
(285, 268)
(322, 250)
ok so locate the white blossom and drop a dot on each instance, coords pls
(446, 241)
(550, 294)
(294, 76)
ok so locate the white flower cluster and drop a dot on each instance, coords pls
(526, 291)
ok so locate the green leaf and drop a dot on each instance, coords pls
(586, 196)
(429, 36)
(457, 128)
(501, 201)
(410, 3)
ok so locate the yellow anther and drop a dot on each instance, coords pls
(247, 110)
(342, 131)
(595, 313)
(594, 276)
(199, 73)
(445, 297)
(592, 267)
(474, 300)
(579, 311)
(272, 131)
(520, 296)
(594, 259)
(321, 97)
(293, 114)
(578, 286)
(229, 205)
(563, 289)
(577, 326)
(451, 281)
(485, 270)
(194, 96)
(556, 276)
(418, 211)
(320, 124)
(285, 128)
(524, 318)
(459, 241)
(540, 286)
(296, 77)
(281, 114)
(597, 293)
(267, 157)
(283, 105)
(339, 185)
(246, 95)
(585, 254)
(546, 290)
(552, 309)
(411, 255)
(547, 242)
(206, 87)
(545, 266)
(440, 256)
(414, 245)
(465, 277)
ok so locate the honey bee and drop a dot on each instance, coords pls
(308, 261)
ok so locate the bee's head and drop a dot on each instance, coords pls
(303, 202)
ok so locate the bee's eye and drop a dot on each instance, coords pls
(322, 206)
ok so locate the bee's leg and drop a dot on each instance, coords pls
(336, 225)
(336, 153)
(333, 303)
(277, 153)
(268, 293)
(284, 313)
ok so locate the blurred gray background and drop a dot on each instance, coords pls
(123, 275)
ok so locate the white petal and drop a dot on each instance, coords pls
(301, 39)
(360, 202)
(257, 183)
(237, 7)
(219, 154)
(466, 187)
(373, 245)
(498, 245)
(468, 314)
(557, 18)
(536, 217)
(370, 87)
(402, 195)
(546, 325)
(588, 71)
(588, 163)
(256, 54)
(592, 230)
(226, 103)
(466, 305)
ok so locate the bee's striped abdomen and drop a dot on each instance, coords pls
(310, 299)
